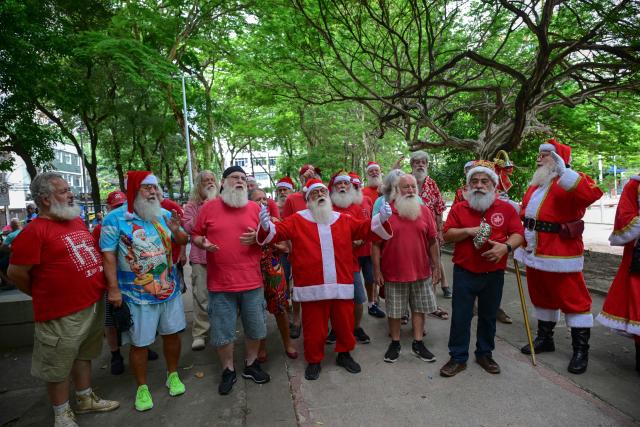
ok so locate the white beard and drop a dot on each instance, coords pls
(480, 201)
(236, 198)
(374, 181)
(543, 175)
(408, 206)
(420, 176)
(342, 200)
(322, 213)
(62, 211)
(209, 193)
(356, 195)
(148, 210)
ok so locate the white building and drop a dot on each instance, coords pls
(261, 164)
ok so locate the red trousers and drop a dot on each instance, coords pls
(565, 291)
(315, 318)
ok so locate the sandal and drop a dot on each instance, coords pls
(440, 314)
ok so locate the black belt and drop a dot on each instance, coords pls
(535, 225)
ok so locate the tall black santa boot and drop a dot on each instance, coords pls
(580, 344)
(544, 339)
(637, 355)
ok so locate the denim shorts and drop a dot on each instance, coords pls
(164, 318)
(223, 314)
(367, 268)
(359, 292)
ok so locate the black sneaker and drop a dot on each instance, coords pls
(117, 364)
(447, 292)
(294, 331)
(331, 338)
(312, 372)
(376, 311)
(152, 355)
(227, 382)
(361, 336)
(393, 352)
(346, 361)
(255, 373)
(421, 352)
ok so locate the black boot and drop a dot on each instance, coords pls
(637, 356)
(544, 341)
(580, 344)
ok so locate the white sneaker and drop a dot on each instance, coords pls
(66, 419)
(198, 344)
(92, 403)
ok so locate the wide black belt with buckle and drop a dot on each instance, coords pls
(544, 226)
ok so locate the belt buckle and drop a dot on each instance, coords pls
(532, 224)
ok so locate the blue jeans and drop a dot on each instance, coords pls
(223, 313)
(467, 286)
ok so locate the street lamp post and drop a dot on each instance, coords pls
(186, 133)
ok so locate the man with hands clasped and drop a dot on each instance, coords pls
(485, 230)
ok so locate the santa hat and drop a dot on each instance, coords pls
(116, 198)
(285, 182)
(311, 185)
(372, 165)
(564, 151)
(483, 166)
(340, 176)
(135, 179)
(355, 179)
(469, 164)
(305, 168)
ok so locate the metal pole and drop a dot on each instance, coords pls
(525, 313)
(600, 182)
(186, 133)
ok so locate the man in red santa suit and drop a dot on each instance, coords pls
(342, 198)
(552, 209)
(284, 188)
(322, 264)
(374, 180)
(621, 309)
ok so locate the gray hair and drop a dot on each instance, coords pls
(418, 155)
(254, 191)
(195, 195)
(41, 186)
(15, 224)
(389, 182)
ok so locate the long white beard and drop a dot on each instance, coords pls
(407, 206)
(148, 210)
(543, 175)
(235, 197)
(420, 176)
(356, 195)
(479, 200)
(62, 211)
(374, 181)
(209, 193)
(322, 213)
(342, 200)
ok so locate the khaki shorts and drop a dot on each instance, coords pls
(417, 295)
(58, 343)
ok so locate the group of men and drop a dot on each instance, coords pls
(346, 241)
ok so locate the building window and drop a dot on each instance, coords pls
(241, 162)
(272, 161)
(67, 158)
(78, 182)
(78, 161)
(260, 161)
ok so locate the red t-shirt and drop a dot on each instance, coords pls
(273, 208)
(371, 193)
(405, 257)
(294, 203)
(234, 267)
(504, 221)
(366, 206)
(67, 274)
(170, 205)
(96, 232)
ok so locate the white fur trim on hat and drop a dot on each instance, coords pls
(547, 147)
(285, 185)
(483, 169)
(150, 179)
(373, 165)
(340, 178)
(308, 190)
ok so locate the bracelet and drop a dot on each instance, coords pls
(509, 248)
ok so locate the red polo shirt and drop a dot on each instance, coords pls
(294, 203)
(504, 221)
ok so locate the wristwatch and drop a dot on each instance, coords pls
(509, 248)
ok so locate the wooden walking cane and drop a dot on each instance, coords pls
(525, 314)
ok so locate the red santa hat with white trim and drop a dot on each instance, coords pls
(285, 182)
(355, 180)
(563, 150)
(372, 165)
(135, 179)
(311, 185)
(340, 176)
(483, 166)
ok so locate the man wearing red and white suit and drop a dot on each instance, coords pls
(621, 309)
(322, 264)
(552, 209)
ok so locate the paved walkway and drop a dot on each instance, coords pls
(409, 392)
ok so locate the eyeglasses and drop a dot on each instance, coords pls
(242, 178)
(148, 187)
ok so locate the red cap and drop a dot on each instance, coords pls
(372, 164)
(564, 151)
(311, 185)
(355, 179)
(116, 198)
(305, 168)
(285, 182)
(341, 175)
(134, 180)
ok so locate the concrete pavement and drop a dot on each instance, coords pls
(409, 392)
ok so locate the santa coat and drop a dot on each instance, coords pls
(564, 200)
(621, 309)
(322, 255)
(356, 212)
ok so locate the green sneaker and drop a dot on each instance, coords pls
(143, 398)
(176, 388)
